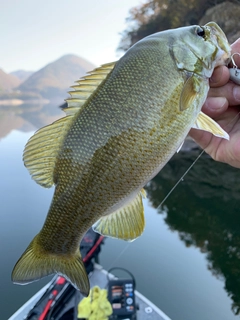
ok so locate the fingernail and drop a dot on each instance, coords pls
(215, 103)
(221, 101)
(236, 93)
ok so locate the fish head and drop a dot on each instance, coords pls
(199, 49)
(223, 56)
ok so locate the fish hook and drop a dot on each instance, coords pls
(235, 71)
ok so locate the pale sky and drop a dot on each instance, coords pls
(36, 32)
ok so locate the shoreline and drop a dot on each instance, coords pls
(18, 102)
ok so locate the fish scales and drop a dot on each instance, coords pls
(126, 130)
(112, 126)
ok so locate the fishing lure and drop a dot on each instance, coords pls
(235, 71)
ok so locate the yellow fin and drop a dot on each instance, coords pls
(35, 264)
(126, 223)
(40, 152)
(42, 149)
(206, 123)
(188, 94)
(86, 86)
(194, 91)
(143, 193)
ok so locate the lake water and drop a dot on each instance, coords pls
(188, 259)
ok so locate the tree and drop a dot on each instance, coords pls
(157, 15)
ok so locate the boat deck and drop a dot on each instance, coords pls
(146, 309)
(99, 277)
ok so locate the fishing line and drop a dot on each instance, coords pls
(236, 70)
(181, 179)
(119, 256)
(165, 198)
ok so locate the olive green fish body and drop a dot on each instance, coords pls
(108, 149)
(129, 146)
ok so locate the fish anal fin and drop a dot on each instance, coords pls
(35, 264)
(206, 123)
(127, 223)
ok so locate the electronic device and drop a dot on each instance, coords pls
(122, 298)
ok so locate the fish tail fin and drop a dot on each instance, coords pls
(35, 263)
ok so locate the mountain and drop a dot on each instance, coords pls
(53, 81)
(22, 75)
(8, 81)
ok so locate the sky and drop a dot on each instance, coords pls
(35, 33)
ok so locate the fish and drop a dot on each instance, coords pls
(123, 123)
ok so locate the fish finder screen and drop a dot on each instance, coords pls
(121, 296)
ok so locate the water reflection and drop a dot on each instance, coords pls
(205, 211)
(27, 117)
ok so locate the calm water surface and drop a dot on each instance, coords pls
(188, 259)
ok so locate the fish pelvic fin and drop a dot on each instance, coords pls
(206, 123)
(127, 223)
(35, 264)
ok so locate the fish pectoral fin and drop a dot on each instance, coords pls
(194, 92)
(188, 94)
(127, 223)
(35, 264)
(206, 123)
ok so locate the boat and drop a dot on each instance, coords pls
(59, 300)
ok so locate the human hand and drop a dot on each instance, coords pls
(223, 105)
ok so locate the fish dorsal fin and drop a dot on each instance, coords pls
(85, 87)
(206, 123)
(127, 223)
(41, 151)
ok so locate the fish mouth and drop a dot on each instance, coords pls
(223, 58)
(223, 49)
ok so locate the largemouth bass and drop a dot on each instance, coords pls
(124, 121)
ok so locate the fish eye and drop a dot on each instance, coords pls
(200, 32)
